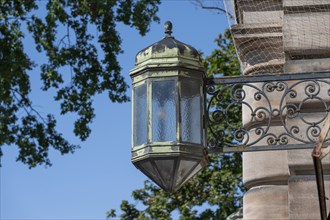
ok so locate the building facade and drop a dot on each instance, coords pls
(276, 37)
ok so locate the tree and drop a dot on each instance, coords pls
(63, 36)
(219, 185)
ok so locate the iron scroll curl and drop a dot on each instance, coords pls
(243, 112)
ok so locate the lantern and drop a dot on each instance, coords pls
(169, 133)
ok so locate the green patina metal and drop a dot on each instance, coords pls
(169, 163)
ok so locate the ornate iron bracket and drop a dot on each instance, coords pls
(273, 112)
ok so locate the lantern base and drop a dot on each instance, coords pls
(170, 166)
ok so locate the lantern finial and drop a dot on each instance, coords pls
(168, 28)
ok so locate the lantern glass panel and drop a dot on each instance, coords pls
(166, 170)
(184, 169)
(163, 110)
(151, 171)
(140, 124)
(191, 111)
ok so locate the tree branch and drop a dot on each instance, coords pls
(200, 3)
(19, 100)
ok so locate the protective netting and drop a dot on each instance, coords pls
(268, 33)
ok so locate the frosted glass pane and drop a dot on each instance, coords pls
(184, 170)
(148, 169)
(140, 115)
(163, 110)
(191, 111)
(193, 173)
(166, 171)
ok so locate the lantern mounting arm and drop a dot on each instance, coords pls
(318, 154)
(276, 111)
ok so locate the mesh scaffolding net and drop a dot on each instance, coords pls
(268, 33)
(273, 37)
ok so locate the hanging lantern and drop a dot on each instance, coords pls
(169, 134)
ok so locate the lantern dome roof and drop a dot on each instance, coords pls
(168, 52)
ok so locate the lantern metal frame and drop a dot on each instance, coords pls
(170, 163)
(175, 74)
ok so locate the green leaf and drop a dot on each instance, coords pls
(61, 34)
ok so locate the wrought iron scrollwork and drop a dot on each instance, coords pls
(274, 112)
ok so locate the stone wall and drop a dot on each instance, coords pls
(283, 36)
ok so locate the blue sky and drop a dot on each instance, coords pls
(100, 175)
